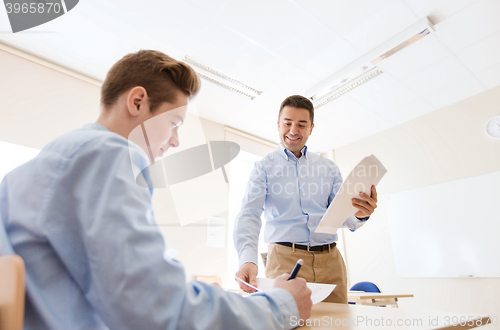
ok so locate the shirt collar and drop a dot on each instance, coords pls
(95, 126)
(285, 153)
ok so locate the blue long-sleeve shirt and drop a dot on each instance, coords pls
(94, 255)
(293, 194)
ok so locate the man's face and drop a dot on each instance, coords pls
(294, 127)
(162, 125)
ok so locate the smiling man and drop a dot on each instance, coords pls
(294, 187)
(86, 231)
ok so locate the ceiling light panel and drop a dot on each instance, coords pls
(221, 79)
(365, 68)
(329, 95)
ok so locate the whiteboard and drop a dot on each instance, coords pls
(449, 229)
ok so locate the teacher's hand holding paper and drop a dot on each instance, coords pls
(247, 273)
(352, 197)
(367, 206)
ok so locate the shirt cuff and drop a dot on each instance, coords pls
(287, 306)
(248, 256)
(354, 223)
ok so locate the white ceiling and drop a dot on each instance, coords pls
(285, 47)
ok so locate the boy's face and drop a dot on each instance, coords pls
(161, 128)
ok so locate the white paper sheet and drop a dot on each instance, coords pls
(368, 172)
(319, 292)
(248, 284)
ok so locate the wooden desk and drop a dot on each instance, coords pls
(329, 315)
(375, 298)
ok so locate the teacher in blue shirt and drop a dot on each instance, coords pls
(86, 231)
(294, 187)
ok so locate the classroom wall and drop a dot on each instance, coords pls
(39, 103)
(445, 145)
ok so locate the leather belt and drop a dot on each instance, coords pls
(325, 247)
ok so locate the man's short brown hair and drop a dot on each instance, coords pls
(160, 75)
(298, 101)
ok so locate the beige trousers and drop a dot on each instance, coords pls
(318, 267)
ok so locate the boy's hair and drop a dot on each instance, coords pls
(161, 76)
(298, 101)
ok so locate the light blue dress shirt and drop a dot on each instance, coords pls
(293, 194)
(94, 255)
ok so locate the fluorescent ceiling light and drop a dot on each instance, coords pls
(365, 68)
(221, 79)
(374, 72)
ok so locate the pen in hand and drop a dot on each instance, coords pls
(295, 269)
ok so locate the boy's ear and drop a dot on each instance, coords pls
(137, 101)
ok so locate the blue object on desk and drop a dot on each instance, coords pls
(365, 287)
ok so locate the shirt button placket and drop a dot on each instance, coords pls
(302, 184)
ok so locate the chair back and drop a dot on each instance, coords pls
(12, 292)
(365, 287)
